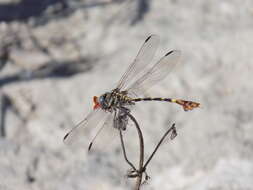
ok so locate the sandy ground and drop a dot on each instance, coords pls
(213, 149)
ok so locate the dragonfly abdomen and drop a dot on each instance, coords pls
(187, 105)
(152, 99)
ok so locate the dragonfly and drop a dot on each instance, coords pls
(109, 111)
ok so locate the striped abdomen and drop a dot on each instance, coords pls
(187, 105)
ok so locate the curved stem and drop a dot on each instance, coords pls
(173, 129)
(141, 143)
(124, 150)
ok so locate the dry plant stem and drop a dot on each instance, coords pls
(124, 150)
(171, 129)
(141, 143)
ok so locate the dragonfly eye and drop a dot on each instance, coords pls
(104, 100)
(101, 99)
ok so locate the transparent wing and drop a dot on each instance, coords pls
(142, 59)
(79, 133)
(103, 138)
(157, 73)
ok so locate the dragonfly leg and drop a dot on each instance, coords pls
(121, 119)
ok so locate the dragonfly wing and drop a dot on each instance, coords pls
(79, 133)
(155, 74)
(142, 59)
(103, 138)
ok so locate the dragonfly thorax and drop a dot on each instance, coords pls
(113, 99)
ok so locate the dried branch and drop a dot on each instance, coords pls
(139, 172)
(142, 167)
(172, 129)
(124, 151)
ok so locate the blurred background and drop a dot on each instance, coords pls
(55, 55)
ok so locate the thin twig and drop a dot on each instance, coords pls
(173, 129)
(124, 150)
(142, 168)
(141, 143)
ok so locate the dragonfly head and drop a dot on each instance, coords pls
(101, 101)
